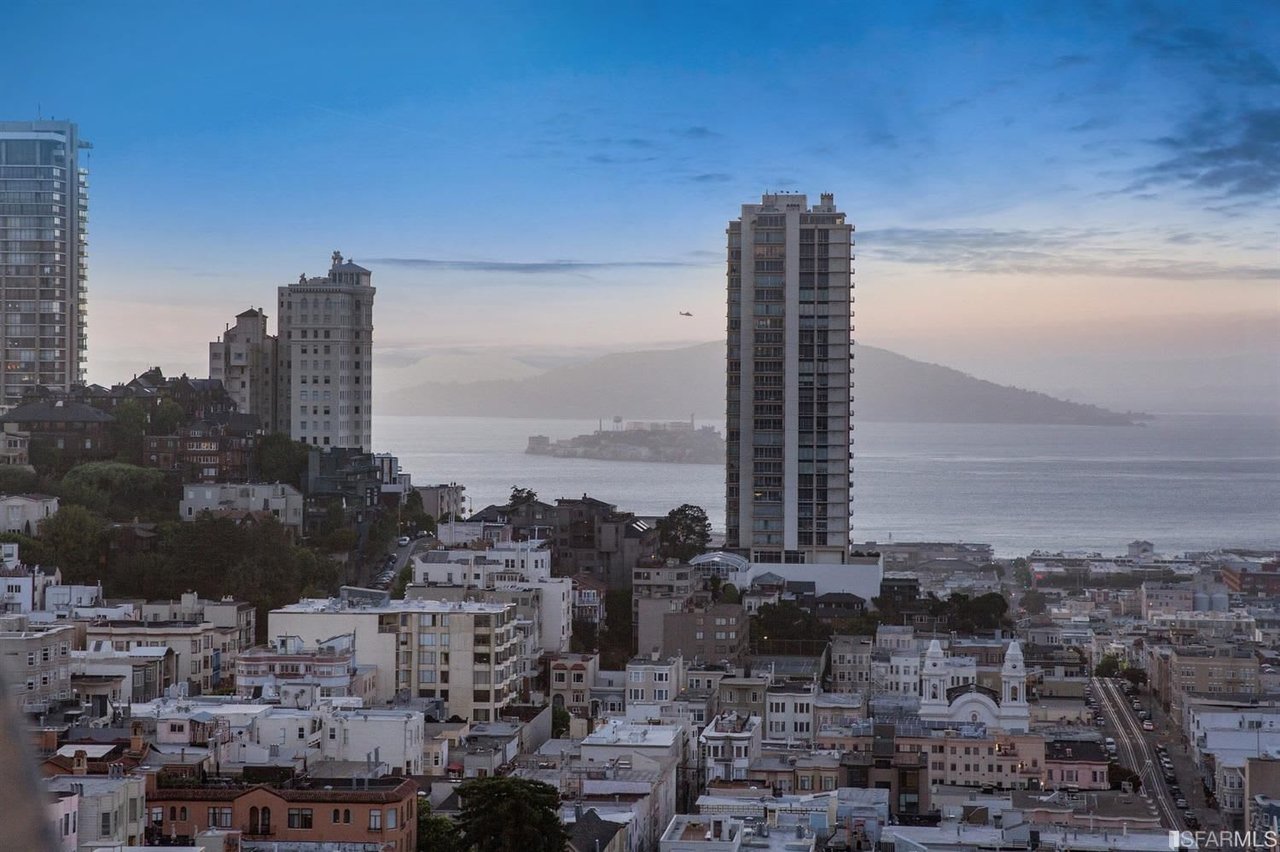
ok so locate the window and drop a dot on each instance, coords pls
(220, 817)
(391, 817)
(300, 817)
(375, 819)
(105, 829)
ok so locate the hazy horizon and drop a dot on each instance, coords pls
(1081, 200)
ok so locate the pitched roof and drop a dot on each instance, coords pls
(590, 828)
(43, 411)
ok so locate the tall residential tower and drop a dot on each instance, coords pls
(43, 214)
(789, 381)
(324, 359)
(243, 358)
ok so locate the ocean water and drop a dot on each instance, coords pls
(1184, 482)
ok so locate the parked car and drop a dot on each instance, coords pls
(1147, 726)
(403, 541)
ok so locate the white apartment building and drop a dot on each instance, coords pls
(850, 663)
(113, 810)
(1224, 736)
(283, 502)
(243, 358)
(394, 737)
(729, 743)
(510, 560)
(23, 587)
(324, 357)
(302, 675)
(464, 652)
(654, 679)
(22, 513)
(789, 712)
(789, 374)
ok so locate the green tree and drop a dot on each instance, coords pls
(684, 533)
(1135, 675)
(1034, 602)
(73, 540)
(1117, 774)
(520, 496)
(781, 627)
(1108, 666)
(128, 430)
(120, 490)
(560, 720)
(504, 814)
(729, 594)
(436, 833)
(167, 418)
(279, 458)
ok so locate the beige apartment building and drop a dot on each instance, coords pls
(38, 659)
(204, 654)
(1212, 670)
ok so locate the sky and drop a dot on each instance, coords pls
(1077, 197)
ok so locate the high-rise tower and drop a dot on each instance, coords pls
(243, 358)
(43, 238)
(789, 381)
(324, 358)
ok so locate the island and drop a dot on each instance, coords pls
(670, 442)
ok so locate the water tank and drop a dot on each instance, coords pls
(1221, 602)
(1200, 602)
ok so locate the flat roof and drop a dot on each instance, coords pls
(335, 605)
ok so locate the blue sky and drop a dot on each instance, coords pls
(541, 179)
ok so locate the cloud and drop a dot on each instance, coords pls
(1061, 251)
(546, 267)
(1095, 123)
(1221, 56)
(1232, 157)
(696, 131)
(712, 177)
(1070, 60)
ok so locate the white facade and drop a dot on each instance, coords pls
(529, 561)
(324, 358)
(397, 736)
(729, 743)
(653, 680)
(284, 502)
(22, 513)
(789, 712)
(112, 810)
(965, 702)
(462, 652)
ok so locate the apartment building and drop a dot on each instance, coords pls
(301, 675)
(392, 736)
(243, 358)
(44, 194)
(707, 632)
(463, 652)
(22, 513)
(570, 679)
(1156, 598)
(366, 812)
(850, 663)
(324, 357)
(112, 808)
(272, 499)
(240, 617)
(729, 744)
(789, 369)
(1207, 670)
(38, 658)
(204, 655)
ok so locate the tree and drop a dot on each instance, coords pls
(1135, 676)
(1108, 666)
(73, 542)
(128, 429)
(279, 458)
(167, 418)
(684, 533)
(520, 496)
(775, 625)
(505, 814)
(729, 594)
(1117, 775)
(560, 719)
(436, 833)
(119, 490)
(1034, 601)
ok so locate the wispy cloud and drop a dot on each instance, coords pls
(696, 131)
(1093, 253)
(1221, 55)
(1231, 156)
(712, 177)
(541, 267)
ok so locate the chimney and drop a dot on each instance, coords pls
(80, 762)
(135, 738)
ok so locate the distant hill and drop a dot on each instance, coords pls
(677, 383)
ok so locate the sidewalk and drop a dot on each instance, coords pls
(1168, 733)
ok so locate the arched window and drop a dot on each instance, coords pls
(173, 813)
(253, 820)
(346, 815)
(336, 813)
(266, 820)
(934, 692)
(182, 813)
(1013, 693)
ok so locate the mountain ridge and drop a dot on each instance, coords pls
(689, 381)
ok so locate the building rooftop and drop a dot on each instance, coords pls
(323, 605)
